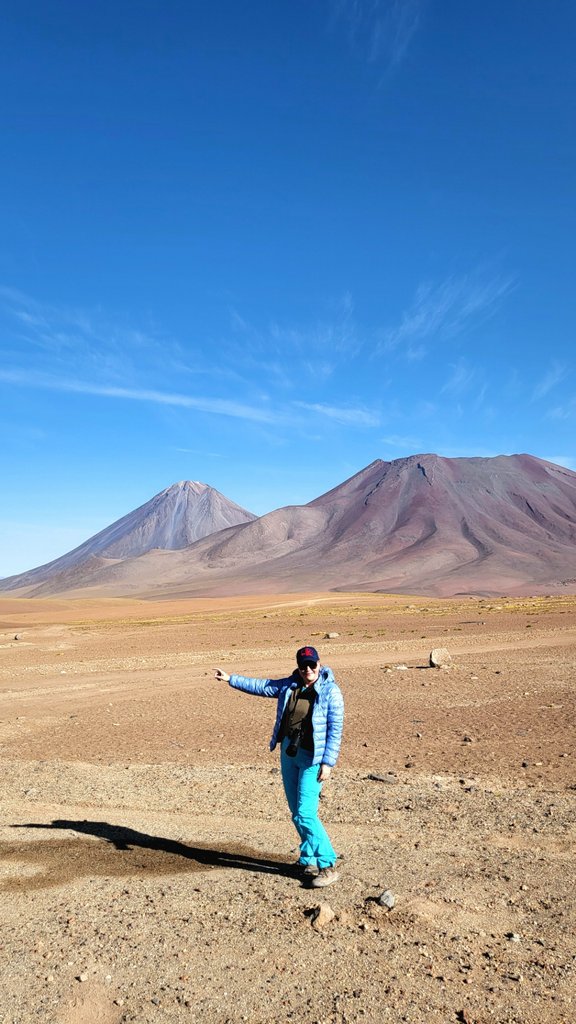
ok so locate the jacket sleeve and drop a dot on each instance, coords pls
(258, 687)
(334, 726)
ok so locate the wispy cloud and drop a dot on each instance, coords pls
(444, 310)
(563, 412)
(216, 406)
(89, 342)
(285, 352)
(381, 30)
(460, 379)
(219, 406)
(555, 374)
(347, 417)
(400, 441)
(198, 451)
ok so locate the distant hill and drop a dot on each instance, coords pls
(420, 525)
(172, 519)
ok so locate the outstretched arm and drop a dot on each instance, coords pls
(258, 687)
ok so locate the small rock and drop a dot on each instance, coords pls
(467, 739)
(119, 1002)
(401, 668)
(82, 977)
(322, 915)
(513, 936)
(18, 636)
(389, 778)
(463, 1017)
(440, 657)
(387, 899)
(331, 636)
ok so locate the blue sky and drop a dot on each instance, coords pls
(261, 245)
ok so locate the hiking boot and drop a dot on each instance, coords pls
(326, 876)
(307, 870)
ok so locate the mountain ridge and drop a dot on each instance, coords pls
(423, 524)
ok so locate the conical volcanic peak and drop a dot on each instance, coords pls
(173, 519)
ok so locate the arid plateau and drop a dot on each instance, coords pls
(147, 854)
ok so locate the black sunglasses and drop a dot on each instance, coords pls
(309, 664)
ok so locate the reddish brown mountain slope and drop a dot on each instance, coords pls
(423, 524)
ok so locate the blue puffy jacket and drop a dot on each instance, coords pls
(327, 710)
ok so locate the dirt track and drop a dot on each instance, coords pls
(145, 843)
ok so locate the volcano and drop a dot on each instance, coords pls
(420, 525)
(172, 519)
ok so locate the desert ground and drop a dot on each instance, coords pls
(146, 869)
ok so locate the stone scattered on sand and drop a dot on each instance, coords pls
(401, 668)
(18, 636)
(463, 1017)
(388, 777)
(440, 657)
(82, 977)
(331, 636)
(387, 899)
(321, 916)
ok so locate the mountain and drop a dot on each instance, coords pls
(172, 519)
(419, 525)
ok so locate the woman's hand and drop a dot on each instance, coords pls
(324, 773)
(219, 674)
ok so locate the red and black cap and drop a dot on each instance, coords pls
(307, 656)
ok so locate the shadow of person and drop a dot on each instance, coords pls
(127, 840)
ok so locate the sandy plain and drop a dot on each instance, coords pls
(146, 851)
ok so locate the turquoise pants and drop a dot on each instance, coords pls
(300, 778)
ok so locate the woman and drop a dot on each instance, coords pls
(309, 719)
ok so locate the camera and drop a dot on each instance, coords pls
(294, 738)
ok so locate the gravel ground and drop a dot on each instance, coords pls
(146, 868)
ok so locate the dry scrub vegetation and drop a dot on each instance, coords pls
(146, 850)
